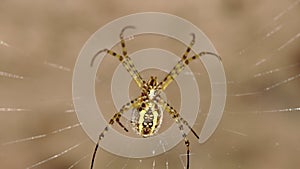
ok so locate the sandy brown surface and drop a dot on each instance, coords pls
(259, 129)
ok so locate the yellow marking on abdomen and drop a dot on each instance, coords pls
(141, 120)
(155, 119)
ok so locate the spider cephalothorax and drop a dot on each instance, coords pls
(148, 108)
(151, 89)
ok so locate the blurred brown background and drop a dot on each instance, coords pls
(259, 44)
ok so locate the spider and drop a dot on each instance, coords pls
(149, 106)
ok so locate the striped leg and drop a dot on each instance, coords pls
(183, 63)
(116, 118)
(179, 66)
(124, 50)
(124, 59)
(175, 115)
(180, 121)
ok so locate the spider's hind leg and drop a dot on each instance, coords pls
(180, 122)
(176, 116)
(130, 105)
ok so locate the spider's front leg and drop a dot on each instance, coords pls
(124, 59)
(180, 122)
(183, 62)
(116, 118)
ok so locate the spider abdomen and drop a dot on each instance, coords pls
(147, 119)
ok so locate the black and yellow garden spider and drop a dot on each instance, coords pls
(149, 106)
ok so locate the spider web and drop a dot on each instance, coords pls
(39, 126)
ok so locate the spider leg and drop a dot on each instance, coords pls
(124, 50)
(124, 59)
(183, 63)
(175, 115)
(179, 66)
(128, 64)
(180, 121)
(130, 105)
